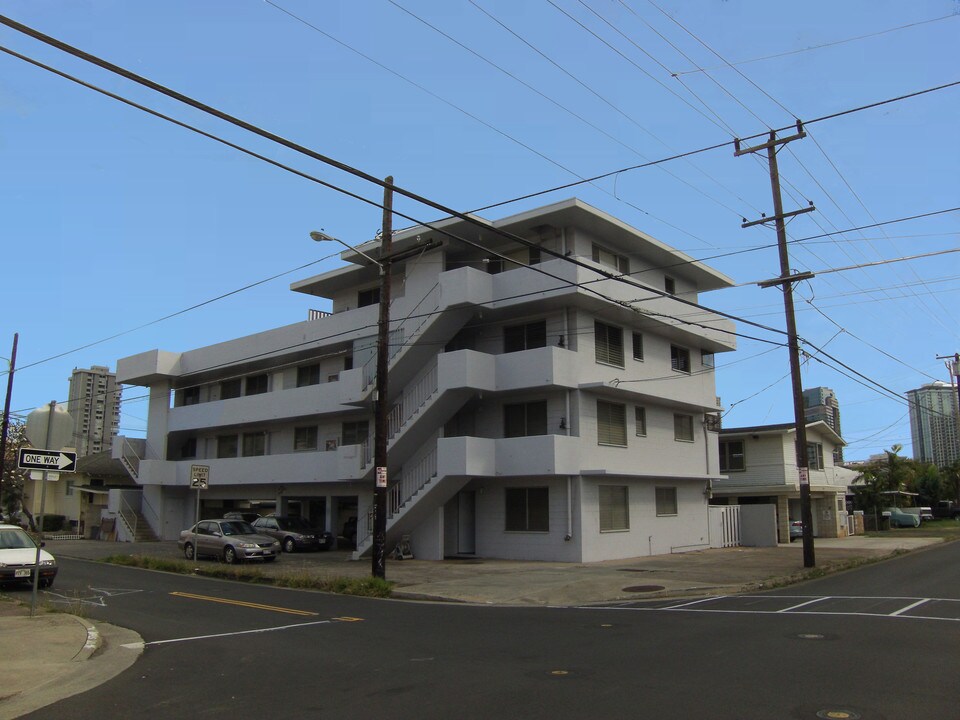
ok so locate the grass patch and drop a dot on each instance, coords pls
(945, 528)
(365, 586)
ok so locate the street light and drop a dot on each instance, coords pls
(318, 236)
(382, 406)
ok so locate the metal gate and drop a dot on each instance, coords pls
(724, 521)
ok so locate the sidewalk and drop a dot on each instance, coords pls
(52, 656)
(516, 582)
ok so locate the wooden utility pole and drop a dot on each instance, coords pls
(382, 401)
(786, 279)
(5, 428)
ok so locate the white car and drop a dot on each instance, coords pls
(18, 557)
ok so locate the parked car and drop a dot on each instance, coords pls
(946, 509)
(796, 529)
(294, 533)
(232, 540)
(18, 558)
(250, 517)
(899, 518)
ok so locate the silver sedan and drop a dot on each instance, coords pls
(231, 540)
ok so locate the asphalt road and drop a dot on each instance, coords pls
(876, 643)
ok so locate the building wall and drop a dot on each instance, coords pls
(94, 407)
(933, 424)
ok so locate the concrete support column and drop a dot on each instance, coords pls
(783, 519)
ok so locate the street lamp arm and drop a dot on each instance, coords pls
(317, 236)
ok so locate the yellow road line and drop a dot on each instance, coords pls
(241, 603)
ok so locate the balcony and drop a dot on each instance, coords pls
(506, 457)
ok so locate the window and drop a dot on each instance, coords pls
(371, 296)
(254, 444)
(666, 500)
(524, 419)
(230, 389)
(680, 359)
(308, 375)
(815, 456)
(731, 456)
(189, 448)
(637, 346)
(257, 384)
(354, 433)
(191, 396)
(525, 337)
(706, 359)
(610, 259)
(611, 423)
(608, 340)
(641, 421)
(669, 285)
(305, 438)
(69, 487)
(227, 446)
(534, 258)
(527, 509)
(614, 508)
(683, 427)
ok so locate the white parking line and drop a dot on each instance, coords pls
(239, 632)
(808, 602)
(694, 602)
(909, 607)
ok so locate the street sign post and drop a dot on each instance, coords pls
(199, 480)
(57, 460)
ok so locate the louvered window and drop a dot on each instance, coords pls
(611, 423)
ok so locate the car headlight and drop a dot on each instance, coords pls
(246, 545)
(47, 563)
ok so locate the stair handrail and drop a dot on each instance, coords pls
(412, 480)
(370, 370)
(131, 525)
(131, 458)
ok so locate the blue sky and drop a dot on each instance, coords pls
(113, 219)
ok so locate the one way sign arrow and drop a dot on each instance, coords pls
(59, 460)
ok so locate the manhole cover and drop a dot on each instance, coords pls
(837, 714)
(643, 588)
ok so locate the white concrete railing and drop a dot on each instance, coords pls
(412, 480)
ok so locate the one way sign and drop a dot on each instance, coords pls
(57, 460)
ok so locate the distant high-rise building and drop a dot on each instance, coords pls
(94, 405)
(933, 423)
(820, 403)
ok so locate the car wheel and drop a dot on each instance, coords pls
(289, 545)
(45, 584)
(230, 556)
(188, 551)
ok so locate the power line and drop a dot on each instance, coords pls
(818, 47)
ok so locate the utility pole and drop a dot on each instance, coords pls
(954, 370)
(787, 279)
(4, 429)
(382, 402)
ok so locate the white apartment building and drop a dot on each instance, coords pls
(539, 409)
(934, 426)
(94, 405)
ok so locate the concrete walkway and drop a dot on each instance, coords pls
(52, 656)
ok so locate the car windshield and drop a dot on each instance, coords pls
(293, 523)
(237, 527)
(13, 539)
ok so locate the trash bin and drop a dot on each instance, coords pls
(885, 521)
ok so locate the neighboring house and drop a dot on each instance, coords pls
(538, 409)
(760, 467)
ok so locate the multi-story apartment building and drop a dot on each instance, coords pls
(933, 423)
(540, 408)
(821, 404)
(94, 406)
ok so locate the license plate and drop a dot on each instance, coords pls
(24, 572)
